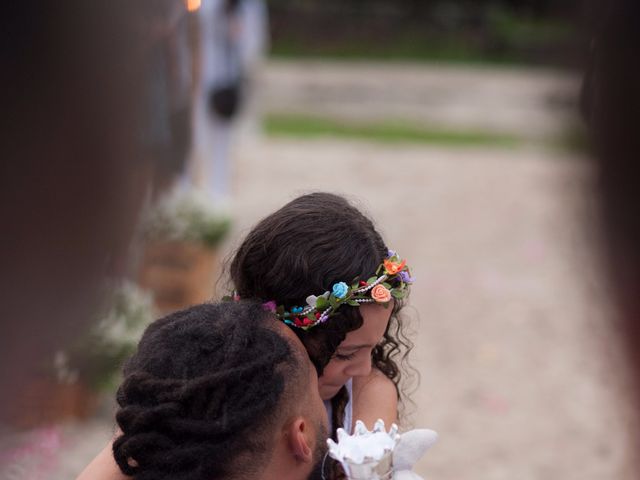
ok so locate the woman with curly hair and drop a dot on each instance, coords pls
(322, 266)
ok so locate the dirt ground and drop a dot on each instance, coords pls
(519, 370)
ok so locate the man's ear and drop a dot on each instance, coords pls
(300, 436)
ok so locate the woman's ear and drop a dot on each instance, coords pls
(300, 436)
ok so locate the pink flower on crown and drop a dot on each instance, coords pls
(381, 294)
(270, 306)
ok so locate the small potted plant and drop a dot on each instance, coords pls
(96, 360)
(69, 387)
(182, 234)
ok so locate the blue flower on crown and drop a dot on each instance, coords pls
(340, 290)
(296, 310)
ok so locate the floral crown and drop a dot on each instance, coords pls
(392, 280)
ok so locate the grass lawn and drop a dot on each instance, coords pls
(301, 126)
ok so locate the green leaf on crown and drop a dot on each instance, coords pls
(371, 280)
(333, 301)
(322, 304)
(387, 285)
(399, 294)
(353, 303)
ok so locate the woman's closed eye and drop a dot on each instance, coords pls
(352, 351)
(343, 356)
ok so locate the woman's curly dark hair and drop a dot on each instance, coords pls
(304, 248)
(200, 379)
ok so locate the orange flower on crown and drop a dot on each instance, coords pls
(393, 268)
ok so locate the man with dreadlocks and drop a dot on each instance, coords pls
(217, 391)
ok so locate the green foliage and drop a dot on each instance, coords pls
(476, 31)
(385, 132)
(187, 216)
(95, 359)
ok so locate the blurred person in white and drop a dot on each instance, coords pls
(173, 90)
(233, 39)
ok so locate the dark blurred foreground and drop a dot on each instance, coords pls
(74, 170)
(611, 101)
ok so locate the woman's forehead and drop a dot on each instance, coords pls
(375, 320)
